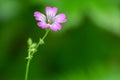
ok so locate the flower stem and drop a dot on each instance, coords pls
(32, 53)
(27, 69)
(47, 31)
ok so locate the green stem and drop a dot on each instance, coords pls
(27, 69)
(31, 54)
(47, 31)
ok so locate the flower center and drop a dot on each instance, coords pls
(50, 20)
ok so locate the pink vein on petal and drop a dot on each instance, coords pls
(51, 11)
(60, 18)
(39, 16)
(42, 25)
(56, 26)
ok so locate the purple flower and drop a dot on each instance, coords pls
(51, 20)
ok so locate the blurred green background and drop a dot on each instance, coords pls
(87, 47)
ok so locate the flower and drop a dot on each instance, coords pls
(51, 20)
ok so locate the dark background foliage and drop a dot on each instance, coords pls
(87, 47)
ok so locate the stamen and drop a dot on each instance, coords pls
(49, 22)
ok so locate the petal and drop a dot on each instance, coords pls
(51, 12)
(42, 25)
(60, 18)
(55, 26)
(39, 16)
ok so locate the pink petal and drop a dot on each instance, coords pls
(42, 25)
(55, 26)
(39, 16)
(51, 11)
(60, 18)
